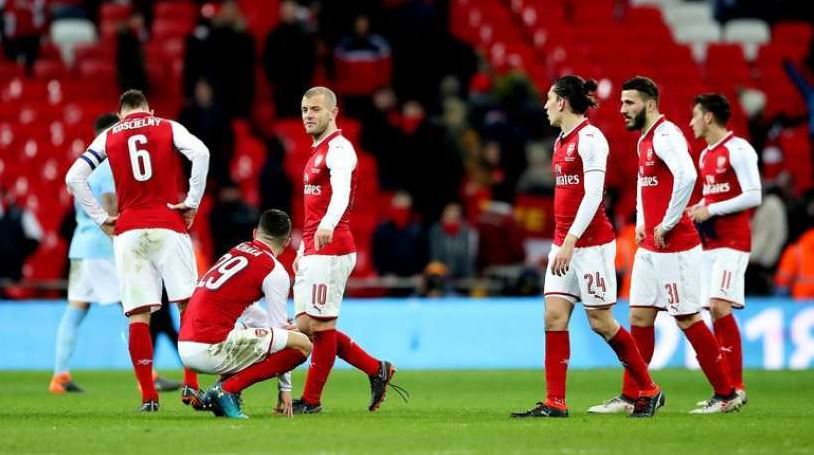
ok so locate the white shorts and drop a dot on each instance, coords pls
(241, 349)
(723, 271)
(147, 257)
(93, 281)
(320, 284)
(591, 278)
(667, 281)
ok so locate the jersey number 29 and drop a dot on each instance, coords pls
(139, 158)
(220, 273)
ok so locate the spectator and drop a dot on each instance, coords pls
(275, 186)
(232, 220)
(795, 273)
(399, 245)
(537, 179)
(500, 242)
(206, 119)
(223, 53)
(769, 233)
(23, 24)
(451, 242)
(130, 65)
(20, 235)
(289, 59)
(362, 63)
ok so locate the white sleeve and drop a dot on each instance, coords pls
(744, 161)
(639, 206)
(276, 286)
(77, 178)
(255, 316)
(284, 382)
(593, 149)
(198, 154)
(31, 227)
(341, 161)
(672, 148)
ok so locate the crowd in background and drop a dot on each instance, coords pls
(462, 153)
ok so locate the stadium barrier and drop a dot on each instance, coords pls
(448, 333)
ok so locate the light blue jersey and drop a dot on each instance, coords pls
(89, 241)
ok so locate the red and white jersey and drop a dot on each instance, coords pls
(143, 153)
(329, 192)
(665, 183)
(582, 150)
(244, 275)
(728, 171)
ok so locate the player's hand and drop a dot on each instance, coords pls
(322, 238)
(699, 213)
(187, 212)
(562, 261)
(639, 234)
(284, 405)
(109, 225)
(658, 237)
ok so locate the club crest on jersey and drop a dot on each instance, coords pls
(569, 152)
(721, 164)
(260, 332)
(649, 161)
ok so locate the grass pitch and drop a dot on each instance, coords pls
(450, 413)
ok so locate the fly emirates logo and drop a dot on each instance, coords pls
(312, 190)
(564, 180)
(710, 187)
(648, 180)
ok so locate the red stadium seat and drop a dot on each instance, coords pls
(114, 13)
(50, 69)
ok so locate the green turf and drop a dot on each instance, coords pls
(450, 413)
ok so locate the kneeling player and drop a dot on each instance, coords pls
(581, 262)
(211, 339)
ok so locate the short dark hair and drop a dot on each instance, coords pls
(716, 104)
(275, 223)
(105, 121)
(643, 85)
(133, 99)
(579, 92)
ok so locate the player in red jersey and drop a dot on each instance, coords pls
(667, 265)
(729, 172)
(151, 243)
(581, 261)
(327, 254)
(225, 332)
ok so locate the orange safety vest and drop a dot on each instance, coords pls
(796, 269)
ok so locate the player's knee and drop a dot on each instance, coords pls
(719, 308)
(642, 317)
(685, 321)
(556, 320)
(300, 342)
(602, 322)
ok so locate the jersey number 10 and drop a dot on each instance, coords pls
(139, 158)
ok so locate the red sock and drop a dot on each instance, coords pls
(273, 365)
(191, 378)
(645, 338)
(322, 360)
(709, 357)
(729, 339)
(625, 347)
(352, 353)
(141, 354)
(557, 354)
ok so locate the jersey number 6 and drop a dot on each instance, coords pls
(139, 158)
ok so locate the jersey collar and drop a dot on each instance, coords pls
(137, 114)
(262, 246)
(655, 124)
(326, 139)
(729, 135)
(579, 126)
